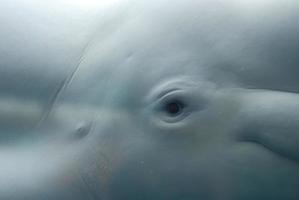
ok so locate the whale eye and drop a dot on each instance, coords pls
(174, 107)
(175, 102)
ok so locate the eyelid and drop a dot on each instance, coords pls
(167, 89)
(175, 93)
(167, 92)
(185, 83)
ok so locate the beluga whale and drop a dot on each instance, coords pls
(149, 100)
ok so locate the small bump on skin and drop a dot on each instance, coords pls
(82, 130)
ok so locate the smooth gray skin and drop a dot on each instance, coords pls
(83, 88)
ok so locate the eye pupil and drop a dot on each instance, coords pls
(174, 108)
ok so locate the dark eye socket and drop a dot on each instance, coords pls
(174, 107)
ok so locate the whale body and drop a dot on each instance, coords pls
(151, 100)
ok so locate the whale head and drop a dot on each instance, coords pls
(159, 100)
